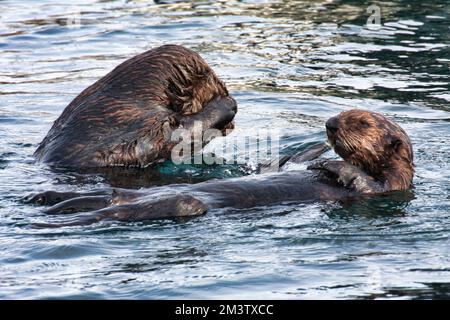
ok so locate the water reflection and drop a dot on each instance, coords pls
(391, 205)
(291, 65)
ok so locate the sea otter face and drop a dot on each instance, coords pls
(371, 142)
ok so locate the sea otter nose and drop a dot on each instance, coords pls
(332, 124)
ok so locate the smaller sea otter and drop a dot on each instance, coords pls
(127, 117)
(378, 158)
(377, 152)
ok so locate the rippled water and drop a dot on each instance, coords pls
(290, 65)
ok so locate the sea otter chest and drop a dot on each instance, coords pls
(294, 186)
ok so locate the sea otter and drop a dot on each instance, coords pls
(378, 158)
(378, 147)
(127, 117)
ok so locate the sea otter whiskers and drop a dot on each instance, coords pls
(379, 150)
(126, 118)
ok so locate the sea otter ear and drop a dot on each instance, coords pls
(394, 142)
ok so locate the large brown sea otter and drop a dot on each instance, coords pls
(378, 158)
(127, 117)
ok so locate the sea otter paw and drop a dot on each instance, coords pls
(346, 173)
(349, 176)
(354, 178)
(50, 198)
(328, 166)
(47, 197)
(219, 112)
(80, 204)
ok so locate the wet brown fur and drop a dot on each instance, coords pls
(124, 118)
(376, 145)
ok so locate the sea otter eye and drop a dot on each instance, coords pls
(394, 142)
(363, 123)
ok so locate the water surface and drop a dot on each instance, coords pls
(290, 65)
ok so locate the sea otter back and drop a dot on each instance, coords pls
(171, 75)
(139, 100)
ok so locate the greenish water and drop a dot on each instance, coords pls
(290, 65)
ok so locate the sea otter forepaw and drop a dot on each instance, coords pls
(318, 165)
(330, 166)
(349, 176)
(345, 172)
(43, 198)
(220, 112)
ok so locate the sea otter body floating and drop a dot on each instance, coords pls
(127, 117)
(378, 158)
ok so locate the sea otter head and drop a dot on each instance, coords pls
(375, 144)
